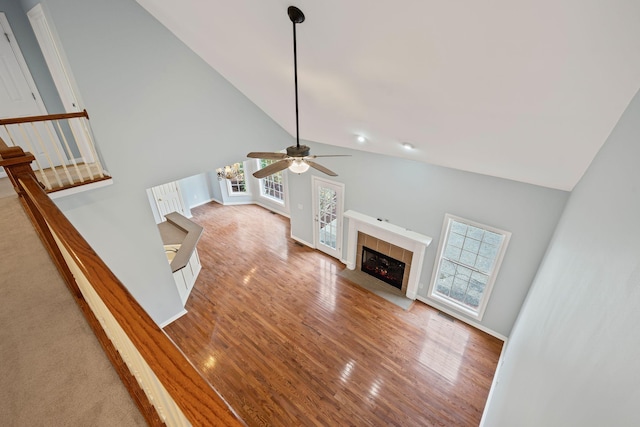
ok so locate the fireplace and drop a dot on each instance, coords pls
(383, 267)
(394, 241)
(384, 261)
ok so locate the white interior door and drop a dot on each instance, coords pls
(61, 78)
(16, 95)
(19, 97)
(328, 202)
(169, 199)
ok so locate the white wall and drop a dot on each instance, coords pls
(200, 189)
(573, 356)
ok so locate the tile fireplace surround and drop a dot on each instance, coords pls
(382, 232)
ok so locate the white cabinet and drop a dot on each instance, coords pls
(180, 237)
(186, 276)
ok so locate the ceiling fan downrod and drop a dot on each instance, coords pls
(297, 17)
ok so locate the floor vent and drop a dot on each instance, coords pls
(447, 316)
(299, 244)
(272, 212)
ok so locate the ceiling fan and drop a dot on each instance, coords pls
(297, 157)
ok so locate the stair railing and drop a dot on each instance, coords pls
(63, 147)
(164, 384)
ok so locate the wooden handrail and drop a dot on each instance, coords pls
(198, 401)
(16, 120)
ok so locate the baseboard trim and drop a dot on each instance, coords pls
(172, 319)
(304, 242)
(271, 208)
(203, 203)
(462, 319)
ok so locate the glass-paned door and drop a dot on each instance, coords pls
(328, 208)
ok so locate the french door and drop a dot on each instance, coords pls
(328, 202)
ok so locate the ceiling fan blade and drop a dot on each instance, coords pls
(272, 168)
(321, 168)
(267, 155)
(327, 155)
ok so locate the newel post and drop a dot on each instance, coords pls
(16, 162)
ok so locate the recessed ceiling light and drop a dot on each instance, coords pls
(408, 146)
(361, 139)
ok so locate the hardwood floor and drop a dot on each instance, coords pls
(288, 342)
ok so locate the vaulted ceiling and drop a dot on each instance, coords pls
(526, 90)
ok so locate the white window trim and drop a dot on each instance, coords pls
(444, 235)
(282, 202)
(247, 191)
(232, 193)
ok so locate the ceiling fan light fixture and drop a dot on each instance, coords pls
(298, 166)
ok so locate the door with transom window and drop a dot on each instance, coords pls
(328, 202)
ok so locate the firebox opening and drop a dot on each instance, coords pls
(383, 267)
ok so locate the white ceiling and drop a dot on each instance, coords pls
(527, 90)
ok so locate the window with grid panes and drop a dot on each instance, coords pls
(469, 257)
(272, 186)
(238, 185)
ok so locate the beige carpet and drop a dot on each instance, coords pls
(53, 371)
(6, 189)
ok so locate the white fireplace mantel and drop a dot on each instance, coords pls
(406, 239)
